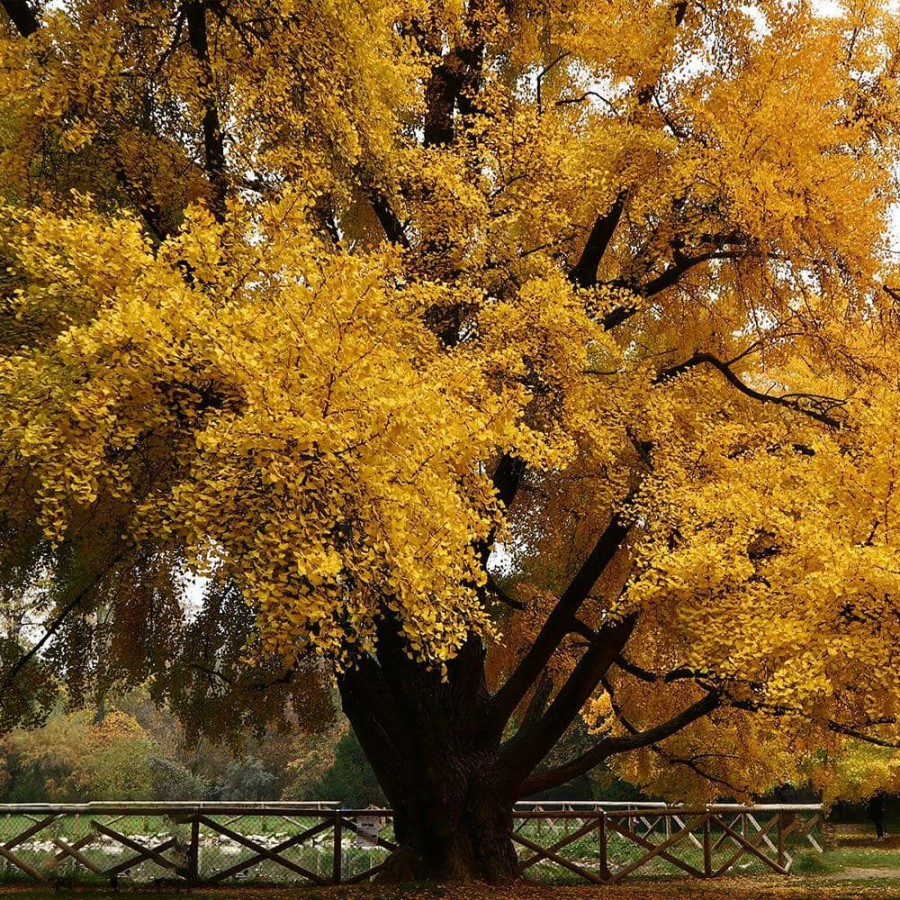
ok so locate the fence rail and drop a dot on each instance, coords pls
(319, 843)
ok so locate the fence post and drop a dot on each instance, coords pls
(707, 848)
(781, 823)
(194, 852)
(337, 863)
(829, 836)
(604, 859)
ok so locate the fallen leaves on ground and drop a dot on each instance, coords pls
(759, 888)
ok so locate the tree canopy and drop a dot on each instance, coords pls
(566, 330)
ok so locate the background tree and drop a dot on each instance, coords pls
(73, 756)
(350, 779)
(140, 751)
(328, 301)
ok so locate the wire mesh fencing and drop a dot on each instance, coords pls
(319, 844)
(610, 842)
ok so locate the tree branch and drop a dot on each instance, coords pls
(838, 728)
(610, 746)
(831, 725)
(213, 673)
(507, 478)
(584, 274)
(393, 227)
(148, 210)
(682, 673)
(559, 622)
(23, 16)
(49, 631)
(521, 753)
(673, 274)
(688, 762)
(582, 628)
(666, 279)
(502, 596)
(540, 697)
(453, 80)
(543, 74)
(789, 401)
(213, 134)
(691, 763)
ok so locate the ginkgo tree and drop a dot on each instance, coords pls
(521, 361)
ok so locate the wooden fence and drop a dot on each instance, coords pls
(317, 843)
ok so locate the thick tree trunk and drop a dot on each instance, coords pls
(438, 759)
(459, 832)
(439, 745)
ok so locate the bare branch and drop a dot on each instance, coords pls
(560, 620)
(584, 274)
(789, 401)
(541, 781)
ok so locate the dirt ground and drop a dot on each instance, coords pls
(881, 884)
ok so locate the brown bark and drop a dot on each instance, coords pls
(439, 754)
(440, 767)
(23, 16)
(213, 133)
(464, 838)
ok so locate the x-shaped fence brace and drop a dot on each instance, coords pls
(272, 854)
(739, 830)
(73, 850)
(760, 833)
(552, 854)
(655, 850)
(746, 846)
(7, 848)
(142, 852)
(155, 853)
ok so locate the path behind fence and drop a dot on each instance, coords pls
(319, 844)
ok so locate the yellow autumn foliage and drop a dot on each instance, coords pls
(267, 302)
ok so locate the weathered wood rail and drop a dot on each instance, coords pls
(318, 843)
